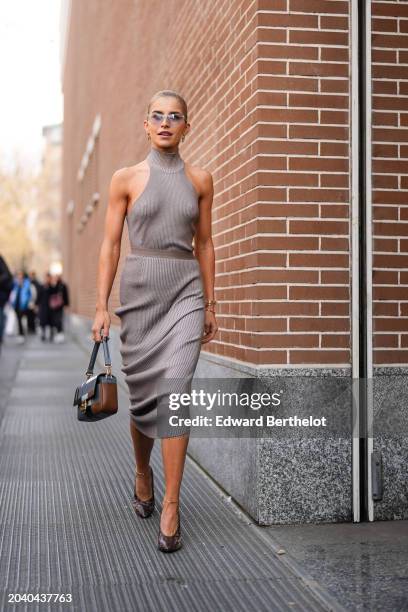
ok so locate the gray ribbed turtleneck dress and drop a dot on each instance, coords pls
(161, 296)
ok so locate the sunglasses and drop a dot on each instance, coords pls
(157, 118)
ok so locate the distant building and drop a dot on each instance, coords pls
(46, 226)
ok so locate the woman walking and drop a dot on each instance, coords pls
(166, 294)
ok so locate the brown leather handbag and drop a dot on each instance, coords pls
(97, 397)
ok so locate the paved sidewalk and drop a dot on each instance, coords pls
(67, 524)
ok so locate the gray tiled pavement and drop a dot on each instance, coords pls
(67, 524)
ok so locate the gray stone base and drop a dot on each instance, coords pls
(390, 398)
(279, 481)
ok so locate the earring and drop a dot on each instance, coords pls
(182, 138)
(148, 136)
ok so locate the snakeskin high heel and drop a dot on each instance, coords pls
(144, 508)
(170, 543)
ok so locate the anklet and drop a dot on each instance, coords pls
(141, 473)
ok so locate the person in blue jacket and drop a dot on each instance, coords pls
(20, 298)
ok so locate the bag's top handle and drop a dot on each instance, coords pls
(106, 354)
(108, 362)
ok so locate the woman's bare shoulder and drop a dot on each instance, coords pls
(128, 172)
(198, 171)
(201, 178)
(125, 177)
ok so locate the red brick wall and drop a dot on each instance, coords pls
(390, 181)
(294, 222)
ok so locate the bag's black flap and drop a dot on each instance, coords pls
(87, 389)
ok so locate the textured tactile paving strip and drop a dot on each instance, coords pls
(67, 524)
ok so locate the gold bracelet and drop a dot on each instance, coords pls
(210, 302)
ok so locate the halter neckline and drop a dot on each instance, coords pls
(166, 160)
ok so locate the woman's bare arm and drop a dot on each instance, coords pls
(203, 244)
(110, 250)
(204, 251)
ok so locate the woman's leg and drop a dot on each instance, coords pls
(2, 322)
(143, 447)
(51, 326)
(58, 320)
(19, 314)
(174, 456)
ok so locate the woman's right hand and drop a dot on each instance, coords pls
(102, 321)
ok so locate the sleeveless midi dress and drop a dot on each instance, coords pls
(161, 297)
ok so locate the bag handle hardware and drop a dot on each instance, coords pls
(107, 357)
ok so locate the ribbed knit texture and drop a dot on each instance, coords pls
(161, 296)
(165, 214)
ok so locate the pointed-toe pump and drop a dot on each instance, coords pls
(170, 543)
(144, 508)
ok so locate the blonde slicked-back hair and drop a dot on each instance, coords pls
(171, 94)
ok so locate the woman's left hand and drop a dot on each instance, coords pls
(210, 327)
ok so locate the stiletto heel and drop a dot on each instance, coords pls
(144, 508)
(170, 543)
